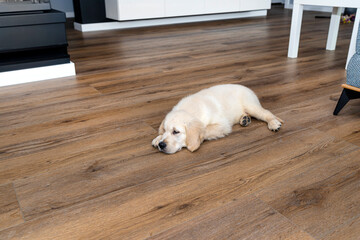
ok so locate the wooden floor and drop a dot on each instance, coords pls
(76, 160)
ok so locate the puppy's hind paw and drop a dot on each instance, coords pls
(274, 125)
(245, 120)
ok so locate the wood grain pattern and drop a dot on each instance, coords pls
(77, 151)
(29, 157)
(318, 198)
(247, 218)
(130, 172)
(145, 209)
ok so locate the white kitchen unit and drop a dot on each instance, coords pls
(175, 8)
(216, 6)
(249, 5)
(141, 13)
(134, 9)
(144, 9)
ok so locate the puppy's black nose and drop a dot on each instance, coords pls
(162, 145)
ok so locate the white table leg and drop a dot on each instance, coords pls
(334, 28)
(352, 48)
(295, 30)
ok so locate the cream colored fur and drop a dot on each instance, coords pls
(209, 114)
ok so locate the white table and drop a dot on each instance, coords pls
(338, 6)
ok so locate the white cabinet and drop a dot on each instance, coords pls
(248, 5)
(184, 7)
(123, 10)
(216, 6)
(134, 9)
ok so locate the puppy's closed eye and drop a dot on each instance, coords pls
(175, 132)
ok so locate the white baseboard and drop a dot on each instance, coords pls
(37, 74)
(164, 21)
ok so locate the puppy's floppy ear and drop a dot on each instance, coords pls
(194, 135)
(161, 128)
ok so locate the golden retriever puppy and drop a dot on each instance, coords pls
(210, 114)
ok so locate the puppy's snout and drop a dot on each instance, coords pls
(162, 145)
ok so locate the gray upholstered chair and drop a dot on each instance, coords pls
(352, 86)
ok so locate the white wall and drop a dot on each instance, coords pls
(64, 6)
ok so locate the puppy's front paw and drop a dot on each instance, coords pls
(156, 141)
(274, 125)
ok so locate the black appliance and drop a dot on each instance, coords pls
(31, 35)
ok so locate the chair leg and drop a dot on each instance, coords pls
(343, 100)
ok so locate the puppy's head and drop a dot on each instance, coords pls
(179, 129)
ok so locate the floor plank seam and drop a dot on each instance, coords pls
(17, 199)
(339, 226)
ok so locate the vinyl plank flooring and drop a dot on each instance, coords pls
(165, 202)
(32, 99)
(116, 171)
